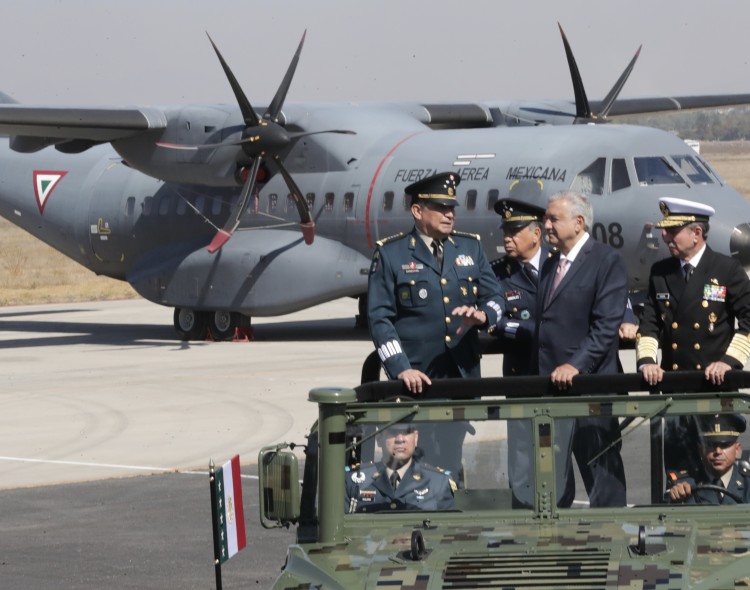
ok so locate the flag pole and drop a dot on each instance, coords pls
(215, 523)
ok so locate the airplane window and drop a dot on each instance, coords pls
(289, 203)
(492, 197)
(164, 205)
(181, 205)
(620, 178)
(348, 202)
(200, 204)
(710, 169)
(272, 200)
(590, 180)
(407, 202)
(656, 170)
(130, 206)
(148, 204)
(310, 200)
(329, 202)
(388, 201)
(471, 200)
(216, 206)
(692, 169)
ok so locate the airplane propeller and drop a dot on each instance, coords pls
(583, 109)
(262, 138)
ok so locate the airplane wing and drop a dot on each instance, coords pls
(95, 125)
(644, 106)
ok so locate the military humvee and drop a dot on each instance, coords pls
(491, 538)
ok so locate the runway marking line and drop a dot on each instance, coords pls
(111, 466)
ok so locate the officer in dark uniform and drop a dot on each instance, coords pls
(518, 274)
(428, 293)
(720, 451)
(695, 297)
(400, 481)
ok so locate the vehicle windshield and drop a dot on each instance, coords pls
(500, 462)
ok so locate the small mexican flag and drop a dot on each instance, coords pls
(229, 518)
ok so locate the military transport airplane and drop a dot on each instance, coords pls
(223, 213)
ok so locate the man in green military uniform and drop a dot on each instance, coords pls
(720, 451)
(429, 291)
(695, 298)
(399, 481)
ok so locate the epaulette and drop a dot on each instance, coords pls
(391, 238)
(465, 234)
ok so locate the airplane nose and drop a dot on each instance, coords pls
(739, 244)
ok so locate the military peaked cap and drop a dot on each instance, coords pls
(440, 188)
(679, 212)
(722, 428)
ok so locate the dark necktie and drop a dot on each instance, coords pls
(437, 252)
(530, 271)
(395, 479)
(688, 270)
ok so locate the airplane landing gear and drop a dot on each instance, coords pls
(190, 324)
(223, 324)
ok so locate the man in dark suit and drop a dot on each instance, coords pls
(719, 450)
(582, 295)
(691, 311)
(399, 481)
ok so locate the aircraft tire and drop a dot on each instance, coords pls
(190, 324)
(222, 324)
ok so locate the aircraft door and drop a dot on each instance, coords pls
(108, 212)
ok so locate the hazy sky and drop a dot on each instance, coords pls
(156, 51)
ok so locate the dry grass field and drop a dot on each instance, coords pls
(32, 272)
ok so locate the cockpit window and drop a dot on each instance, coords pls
(691, 168)
(656, 170)
(591, 179)
(620, 177)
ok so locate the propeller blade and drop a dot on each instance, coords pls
(293, 136)
(307, 225)
(609, 100)
(222, 237)
(248, 112)
(273, 110)
(583, 110)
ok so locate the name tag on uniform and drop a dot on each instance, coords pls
(464, 260)
(367, 495)
(412, 267)
(512, 295)
(662, 296)
(714, 293)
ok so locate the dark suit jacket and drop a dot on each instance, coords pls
(695, 321)
(580, 323)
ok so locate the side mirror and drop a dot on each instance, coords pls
(278, 486)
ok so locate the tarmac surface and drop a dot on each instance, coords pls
(108, 425)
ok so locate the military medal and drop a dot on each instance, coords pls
(712, 319)
(423, 293)
(358, 477)
(525, 315)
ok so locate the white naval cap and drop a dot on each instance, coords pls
(681, 212)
